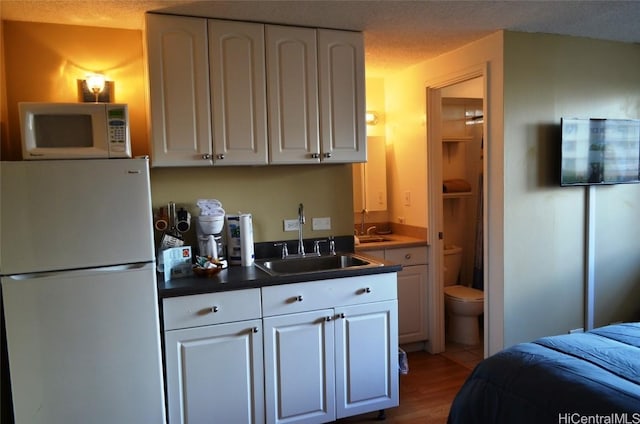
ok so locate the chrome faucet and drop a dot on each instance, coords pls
(364, 212)
(300, 224)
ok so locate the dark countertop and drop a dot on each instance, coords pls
(237, 277)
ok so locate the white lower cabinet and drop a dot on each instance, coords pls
(331, 348)
(412, 291)
(307, 352)
(366, 346)
(214, 372)
(299, 356)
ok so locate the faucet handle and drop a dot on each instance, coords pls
(316, 246)
(332, 246)
(285, 250)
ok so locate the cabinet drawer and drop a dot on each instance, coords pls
(407, 255)
(308, 296)
(211, 308)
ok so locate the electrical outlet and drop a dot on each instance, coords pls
(291, 225)
(321, 223)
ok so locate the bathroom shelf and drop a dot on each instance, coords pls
(456, 195)
(461, 139)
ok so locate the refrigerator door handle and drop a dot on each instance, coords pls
(114, 268)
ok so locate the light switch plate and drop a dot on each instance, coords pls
(321, 223)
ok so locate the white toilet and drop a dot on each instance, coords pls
(463, 305)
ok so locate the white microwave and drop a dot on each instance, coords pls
(74, 130)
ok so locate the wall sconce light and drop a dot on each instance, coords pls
(95, 88)
(371, 118)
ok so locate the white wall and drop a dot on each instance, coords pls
(535, 228)
(407, 133)
(548, 77)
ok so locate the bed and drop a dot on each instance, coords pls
(570, 378)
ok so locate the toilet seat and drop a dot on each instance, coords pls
(464, 294)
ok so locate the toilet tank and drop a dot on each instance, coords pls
(452, 264)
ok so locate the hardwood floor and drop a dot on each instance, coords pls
(426, 392)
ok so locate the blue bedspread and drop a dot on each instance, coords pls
(559, 379)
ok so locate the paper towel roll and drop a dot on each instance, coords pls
(246, 239)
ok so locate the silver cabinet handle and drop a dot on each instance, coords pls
(299, 298)
(328, 318)
(407, 256)
(341, 315)
(255, 329)
(327, 155)
(206, 156)
(315, 156)
(214, 309)
(219, 156)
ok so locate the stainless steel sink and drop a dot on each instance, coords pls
(372, 239)
(309, 264)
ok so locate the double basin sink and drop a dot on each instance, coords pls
(314, 263)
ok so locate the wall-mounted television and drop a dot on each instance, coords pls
(600, 151)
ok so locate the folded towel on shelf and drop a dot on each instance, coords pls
(455, 185)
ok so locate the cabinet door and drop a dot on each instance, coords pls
(292, 94)
(238, 94)
(215, 374)
(413, 306)
(366, 357)
(179, 90)
(299, 367)
(341, 96)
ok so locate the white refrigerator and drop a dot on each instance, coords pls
(79, 292)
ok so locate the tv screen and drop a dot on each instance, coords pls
(600, 151)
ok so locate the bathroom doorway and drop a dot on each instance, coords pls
(456, 137)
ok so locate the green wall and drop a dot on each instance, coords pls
(547, 77)
(270, 193)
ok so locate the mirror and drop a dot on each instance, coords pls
(370, 178)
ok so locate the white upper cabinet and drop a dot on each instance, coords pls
(342, 96)
(238, 97)
(179, 90)
(293, 95)
(241, 93)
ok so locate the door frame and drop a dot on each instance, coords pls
(434, 192)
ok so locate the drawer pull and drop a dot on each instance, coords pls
(328, 318)
(407, 256)
(299, 298)
(367, 290)
(214, 309)
(341, 315)
(255, 329)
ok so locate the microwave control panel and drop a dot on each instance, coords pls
(118, 131)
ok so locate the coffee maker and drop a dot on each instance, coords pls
(209, 229)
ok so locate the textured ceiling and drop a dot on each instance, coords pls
(397, 33)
